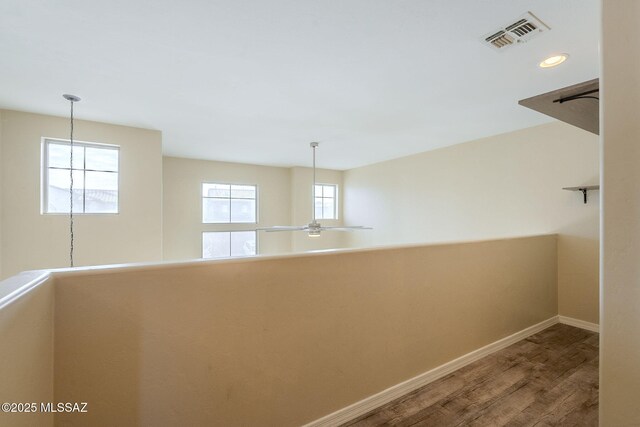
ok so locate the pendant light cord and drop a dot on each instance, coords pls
(71, 236)
(72, 99)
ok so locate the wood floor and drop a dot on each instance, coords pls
(548, 379)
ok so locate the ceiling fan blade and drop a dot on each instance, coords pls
(313, 228)
(347, 228)
(284, 228)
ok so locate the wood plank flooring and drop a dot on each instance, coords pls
(548, 379)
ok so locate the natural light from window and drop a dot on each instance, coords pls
(325, 201)
(220, 244)
(228, 203)
(95, 177)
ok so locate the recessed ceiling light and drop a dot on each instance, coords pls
(554, 60)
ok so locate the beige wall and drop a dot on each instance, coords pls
(26, 352)
(182, 189)
(31, 240)
(285, 340)
(620, 339)
(136, 233)
(301, 211)
(284, 198)
(505, 185)
(1, 209)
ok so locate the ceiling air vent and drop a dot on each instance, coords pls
(519, 30)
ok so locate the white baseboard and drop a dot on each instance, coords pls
(362, 407)
(593, 327)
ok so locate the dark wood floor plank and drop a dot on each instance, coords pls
(413, 402)
(550, 378)
(492, 365)
(575, 398)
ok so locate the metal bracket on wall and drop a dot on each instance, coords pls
(563, 104)
(583, 190)
(581, 95)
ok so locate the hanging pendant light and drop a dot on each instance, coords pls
(72, 99)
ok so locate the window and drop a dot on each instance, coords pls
(325, 201)
(217, 244)
(95, 177)
(228, 203)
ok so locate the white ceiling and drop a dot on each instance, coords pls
(254, 81)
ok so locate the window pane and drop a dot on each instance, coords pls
(103, 159)
(318, 207)
(215, 244)
(101, 192)
(59, 181)
(328, 191)
(216, 190)
(59, 156)
(243, 191)
(318, 191)
(215, 210)
(328, 208)
(243, 243)
(243, 210)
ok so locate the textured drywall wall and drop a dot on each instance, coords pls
(301, 209)
(505, 185)
(285, 340)
(182, 201)
(31, 240)
(1, 203)
(26, 353)
(620, 131)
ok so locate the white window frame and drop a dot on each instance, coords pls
(202, 198)
(255, 232)
(335, 200)
(44, 193)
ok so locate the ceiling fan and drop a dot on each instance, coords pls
(314, 228)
